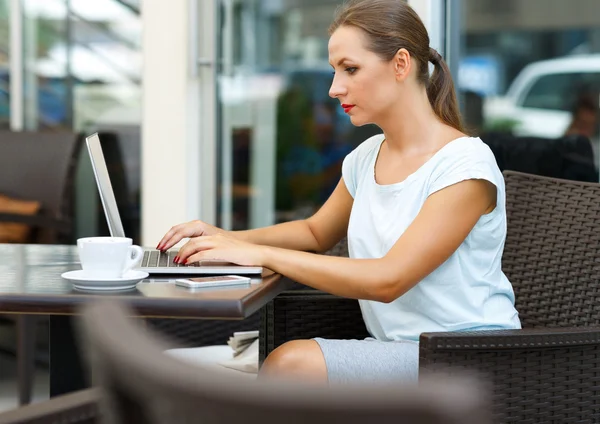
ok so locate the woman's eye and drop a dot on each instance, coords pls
(351, 70)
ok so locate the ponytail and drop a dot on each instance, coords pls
(441, 94)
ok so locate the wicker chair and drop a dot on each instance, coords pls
(547, 372)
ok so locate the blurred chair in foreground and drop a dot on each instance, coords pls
(138, 383)
(142, 384)
(37, 177)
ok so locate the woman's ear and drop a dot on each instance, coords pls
(402, 64)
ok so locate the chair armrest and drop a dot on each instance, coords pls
(77, 408)
(43, 221)
(505, 340)
(304, 314)
(538, 375)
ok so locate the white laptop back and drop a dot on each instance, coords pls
(154, 261)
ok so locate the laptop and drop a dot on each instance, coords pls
(154, 261)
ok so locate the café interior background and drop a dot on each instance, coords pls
(279, 140)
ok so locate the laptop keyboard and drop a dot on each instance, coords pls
(158, 259)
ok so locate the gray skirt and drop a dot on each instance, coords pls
(370, 360)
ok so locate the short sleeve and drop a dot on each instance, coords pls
(470, 166)
(349, 172)
(355, 164)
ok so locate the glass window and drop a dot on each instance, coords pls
(83, 64)
(559, 91)
(282, 139)
(46, 89)
(82, 72)
(529, 71)
(4, 65)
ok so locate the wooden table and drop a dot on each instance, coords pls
(30, 284)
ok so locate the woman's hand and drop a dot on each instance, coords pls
(189, 229)
(221, 247)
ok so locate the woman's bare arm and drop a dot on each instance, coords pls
(318, 233)
(445, 220)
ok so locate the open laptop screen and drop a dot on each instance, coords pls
(107, 196)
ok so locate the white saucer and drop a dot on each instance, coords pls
(128, 281)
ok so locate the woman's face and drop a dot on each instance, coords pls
(365, 85)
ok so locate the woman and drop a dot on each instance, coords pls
(423, 206)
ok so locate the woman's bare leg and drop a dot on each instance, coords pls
(299, 360)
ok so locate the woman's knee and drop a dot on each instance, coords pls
(296, 359)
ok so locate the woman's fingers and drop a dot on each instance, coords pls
(205, 255)
(168, 241)
(172, 241)
(195, 245)
(177, 233)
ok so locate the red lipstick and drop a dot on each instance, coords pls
(347, 108)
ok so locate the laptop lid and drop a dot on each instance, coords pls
(107, 196)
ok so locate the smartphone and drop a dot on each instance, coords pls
(216, 281)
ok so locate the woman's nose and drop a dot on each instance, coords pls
(336, 89)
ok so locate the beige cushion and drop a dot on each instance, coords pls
(12, 232)
(220, 358)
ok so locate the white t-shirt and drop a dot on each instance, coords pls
(468, 291)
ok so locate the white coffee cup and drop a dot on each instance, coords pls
(108, 257)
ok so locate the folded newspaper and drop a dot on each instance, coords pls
(241, 340)
(247, 361)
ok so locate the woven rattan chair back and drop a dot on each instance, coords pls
(552, 251)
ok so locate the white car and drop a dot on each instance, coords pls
(540, 99)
